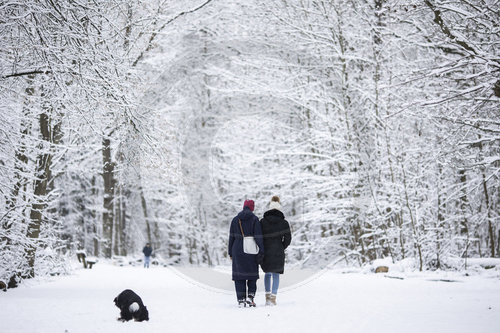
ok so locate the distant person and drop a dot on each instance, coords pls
(277, 237)
(147, 250)
(245, 266)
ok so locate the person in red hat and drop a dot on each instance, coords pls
(245, 265)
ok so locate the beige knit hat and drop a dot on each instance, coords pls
(275, 203)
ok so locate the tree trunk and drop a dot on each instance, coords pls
(145, 212)
(491, 234)
(416, 235)
(464, 225)
(399, 221)
(36, 214)
(117, 228)
(21, 159)
(109, 184)
(93, 214)
(439, 223)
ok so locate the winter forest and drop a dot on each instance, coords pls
(122, 122)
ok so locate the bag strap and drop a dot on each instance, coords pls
(241, 228)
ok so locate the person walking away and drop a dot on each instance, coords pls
(245, 267)
(277, 237)
(147, 250)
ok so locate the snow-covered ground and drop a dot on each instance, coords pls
(326, 302)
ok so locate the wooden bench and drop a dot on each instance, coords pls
(87, 262)
(90, 263)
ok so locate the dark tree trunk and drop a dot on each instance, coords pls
(109, 184)
(491, 234)
(36, 215)
(94, 223)
(145, 211)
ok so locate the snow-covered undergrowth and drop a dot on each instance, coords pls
(324, 301)
(452, 267)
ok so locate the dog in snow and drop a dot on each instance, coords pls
(131, 306)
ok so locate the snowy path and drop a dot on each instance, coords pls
(331, 302)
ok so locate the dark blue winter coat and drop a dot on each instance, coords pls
(147, 250)
(245, 266)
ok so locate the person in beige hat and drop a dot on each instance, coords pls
(277, 237)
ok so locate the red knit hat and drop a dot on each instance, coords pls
(250, 204)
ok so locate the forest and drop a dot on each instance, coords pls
(122, 122)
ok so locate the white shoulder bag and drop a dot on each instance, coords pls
(249, 244)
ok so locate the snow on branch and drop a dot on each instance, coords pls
(438, 19)
(155, 34)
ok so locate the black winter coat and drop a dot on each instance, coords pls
(147, 250)
(245, 266)
(277, 237)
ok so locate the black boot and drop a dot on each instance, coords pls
(250, 300)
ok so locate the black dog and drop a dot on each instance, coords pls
(131, 306)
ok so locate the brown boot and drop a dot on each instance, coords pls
(272, 299)
(268, 298)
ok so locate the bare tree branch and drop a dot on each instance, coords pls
(439, 21)
(36, 71)
(155, 34)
